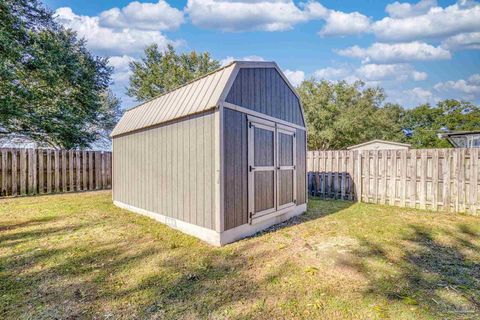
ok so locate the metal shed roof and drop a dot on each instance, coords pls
(199, 95)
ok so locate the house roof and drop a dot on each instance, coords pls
(457, 133)
(380, 141)
(199, 95)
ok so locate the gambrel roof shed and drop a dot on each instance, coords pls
(220, 158)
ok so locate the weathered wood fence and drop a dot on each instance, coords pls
(39, 171)
(434, 179)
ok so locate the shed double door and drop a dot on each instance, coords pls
(271, 168)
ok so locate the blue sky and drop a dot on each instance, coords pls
(418, 51)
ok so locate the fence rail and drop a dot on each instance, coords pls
(42, 171)
(434, 179)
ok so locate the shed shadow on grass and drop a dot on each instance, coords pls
(442, 277)
(316, 210)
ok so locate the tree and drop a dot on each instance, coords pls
(340, 114)
(52, 89)
(424, 122)
(159, 72)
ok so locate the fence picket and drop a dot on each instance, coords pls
(41, 172)
(4, 154)
(435, 180)
(474, 180)
(64, 171)
(23, 171)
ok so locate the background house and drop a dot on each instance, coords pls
(462, 139)
(380, 145)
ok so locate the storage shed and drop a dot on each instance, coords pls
(219, 158)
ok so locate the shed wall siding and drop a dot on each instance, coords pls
(236, 168)
(169, 170)
(264, 90)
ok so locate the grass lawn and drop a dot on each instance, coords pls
(78, 256)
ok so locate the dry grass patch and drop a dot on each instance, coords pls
(78, 256)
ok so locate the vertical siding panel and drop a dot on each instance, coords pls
(187, 171)
(193, 177)
(208, 157)
(174, 152)
(200, 172)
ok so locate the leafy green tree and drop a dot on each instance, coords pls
(159, 72)
(340, 114)
(424, 122)
(52, 89)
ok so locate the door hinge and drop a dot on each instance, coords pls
(295, 201)
(250, 168)
(249, 124)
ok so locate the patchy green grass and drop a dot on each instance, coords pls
(78, 256)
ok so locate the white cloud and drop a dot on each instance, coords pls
(411, 97)
(229, 59)
(372, 74)
(419, 76)
(437, 22)
(295, 77)
(398, 52)
(246, 15)
(110, 41)
(469, 88)
(405, 9)
(340, 23)
(474, 79)
(332, 74)
(395, 72)
(271, 15)
(148, 16)
(121, 68)
(463, 41)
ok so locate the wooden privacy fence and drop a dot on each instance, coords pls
(39, 171)
(434, 179)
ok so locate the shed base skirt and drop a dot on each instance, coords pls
(211, 236)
